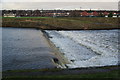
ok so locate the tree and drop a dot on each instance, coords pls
(110, 14)
(101, 15)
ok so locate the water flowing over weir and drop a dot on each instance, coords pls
(87, 48)
(25, 49)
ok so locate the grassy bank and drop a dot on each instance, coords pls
(101, 72)
(65, 23)
(112, 74)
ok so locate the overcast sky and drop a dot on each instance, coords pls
(60, 4)
(60, 0)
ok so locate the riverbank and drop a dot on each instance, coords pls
(64, 23)
(53, 74)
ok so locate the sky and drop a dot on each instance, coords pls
(60, 4)
(60, 0)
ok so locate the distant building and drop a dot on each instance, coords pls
(85, 13)
(59, 13)
(95, 13)
(9, 15)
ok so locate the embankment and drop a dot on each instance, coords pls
(69, 23)
(71, 74)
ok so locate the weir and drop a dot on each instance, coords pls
(26, 49)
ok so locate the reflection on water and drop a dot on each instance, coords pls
(25, 49)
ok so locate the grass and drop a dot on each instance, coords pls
(64, 23)
(111, 74)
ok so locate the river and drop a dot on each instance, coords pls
(87, 48)
(24, 48)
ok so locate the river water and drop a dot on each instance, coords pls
(25, 49)
(88, 48)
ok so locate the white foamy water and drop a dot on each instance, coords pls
(87, 48)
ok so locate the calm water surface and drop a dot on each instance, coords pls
(25, 49)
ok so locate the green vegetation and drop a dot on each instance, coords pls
(101, 15)
(66, 23)
(110, 15)
(111, 74)
(98, 72)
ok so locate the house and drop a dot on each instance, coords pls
(59, 13)
(115, 14)
(9, 15)
(84, 13)
(106, 14)
(95, 13)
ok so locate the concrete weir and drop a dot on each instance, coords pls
(25, 48)
(60, 60)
